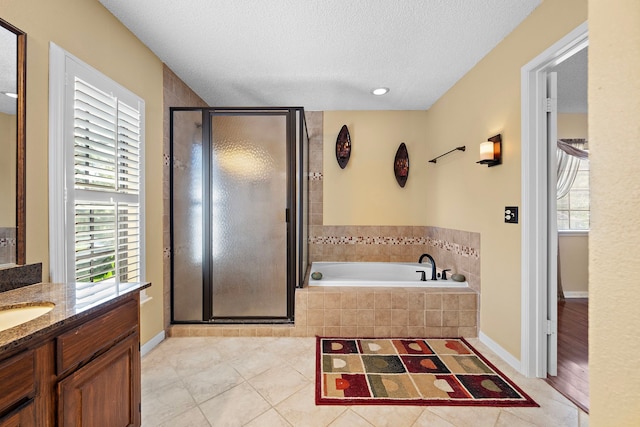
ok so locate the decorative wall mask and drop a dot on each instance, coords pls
(401, 165)
(343, 147)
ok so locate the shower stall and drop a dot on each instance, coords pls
(239, 209)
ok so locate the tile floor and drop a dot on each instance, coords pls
(269, 382)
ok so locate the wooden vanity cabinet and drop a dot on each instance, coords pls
(24, 416)
(104, 392)
(86, 373)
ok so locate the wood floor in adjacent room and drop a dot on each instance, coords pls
(573, 349)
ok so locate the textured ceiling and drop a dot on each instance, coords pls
(321, 54)
(572, 83)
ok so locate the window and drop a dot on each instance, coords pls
(573, 208)
(97, 155)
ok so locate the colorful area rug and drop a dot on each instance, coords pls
(406, 371)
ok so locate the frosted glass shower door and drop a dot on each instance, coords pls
(248, 188)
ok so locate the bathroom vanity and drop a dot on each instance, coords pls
(77, 364)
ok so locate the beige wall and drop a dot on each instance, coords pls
(472, 197)
(456, 193)
(87, 30)
(573, 125)
(614, 135)
(574, 262)
(8, 154)
(366, 192)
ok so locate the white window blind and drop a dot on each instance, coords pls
(106, 159)
(97, 157)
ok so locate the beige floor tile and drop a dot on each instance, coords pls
(181, 369)
(240, 346)
(507, 419)
(583, 419)
(157, 375)
(187, 361)
(551, 413)
(212, 381)
(305, 363)
(287, 347)
(429, 419)
(300, 409)
(271, 418)
(252, 364)
(389, 416)
(350, 419)
(278, 383)
(234, 407)
(191, 418)
(165, 403)
(461, 416)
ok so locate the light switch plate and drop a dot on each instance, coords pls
(511, 214)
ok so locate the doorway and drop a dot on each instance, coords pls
(539, 244)
(571, 209)
(237, 213)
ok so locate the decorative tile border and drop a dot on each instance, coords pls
(7, 242)
(455, 248)
(315, 176)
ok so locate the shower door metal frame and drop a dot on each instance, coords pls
(294, 152)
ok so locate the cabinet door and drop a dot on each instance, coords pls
(105, 392)
(24, 417)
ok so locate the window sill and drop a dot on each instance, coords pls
(575, 233)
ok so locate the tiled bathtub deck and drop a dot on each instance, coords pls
(365, 312)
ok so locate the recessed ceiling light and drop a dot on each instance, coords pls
(380, 91)
(10, 94)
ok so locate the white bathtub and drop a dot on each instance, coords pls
(382, 274)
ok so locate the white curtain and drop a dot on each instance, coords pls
(569, 153)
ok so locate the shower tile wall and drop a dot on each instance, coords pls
(7, 245)
(455, 249)
(175, 94)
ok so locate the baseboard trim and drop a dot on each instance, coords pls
(576, 294)
(501, 352)
(151, 344)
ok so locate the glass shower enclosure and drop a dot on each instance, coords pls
(239, 180)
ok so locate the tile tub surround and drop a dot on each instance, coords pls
(365, 312)
(7, 245)
(452, 249)
(387, 312)
(455, 249)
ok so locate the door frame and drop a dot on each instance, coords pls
(535, 259)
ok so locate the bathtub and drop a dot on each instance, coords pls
(380, 274)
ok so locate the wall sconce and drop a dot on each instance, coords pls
(491, 151)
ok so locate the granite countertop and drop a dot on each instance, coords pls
(71, 301)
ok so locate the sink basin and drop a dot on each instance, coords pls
(21, 313)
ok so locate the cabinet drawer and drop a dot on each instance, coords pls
(17, 381)
(81, 343)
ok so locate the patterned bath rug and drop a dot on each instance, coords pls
(410, 371)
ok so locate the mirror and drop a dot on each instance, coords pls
(12, 144)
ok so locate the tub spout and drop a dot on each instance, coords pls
(433, 265)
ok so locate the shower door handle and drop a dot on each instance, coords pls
(286, 215)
